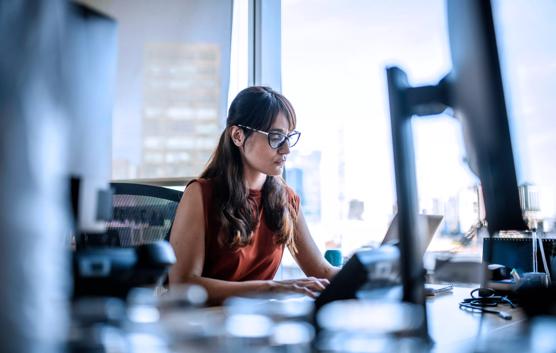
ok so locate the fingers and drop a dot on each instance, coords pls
(315, 284)
(309, 286)
(304, 290)
(323, 281)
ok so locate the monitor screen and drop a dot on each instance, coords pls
(477, 97)
(90, 66)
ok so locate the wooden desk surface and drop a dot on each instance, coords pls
(455, 330)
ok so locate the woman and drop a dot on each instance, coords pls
(233, 223)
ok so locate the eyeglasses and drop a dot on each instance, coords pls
(277, 139)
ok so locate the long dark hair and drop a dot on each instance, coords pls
(256, 107)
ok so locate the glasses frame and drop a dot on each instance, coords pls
(286, 137)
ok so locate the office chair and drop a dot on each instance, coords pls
(142, 214)
(134, 250)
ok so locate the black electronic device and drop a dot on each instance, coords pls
(475, 93)
(110, 271)
(473, 89)
(90, 56)
(499, 272)
(367, 272)
(537, 300)
(515, 253)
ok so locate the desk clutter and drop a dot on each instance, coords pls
(486, 301)
(364, 319)
(177, 321)
(516, 253)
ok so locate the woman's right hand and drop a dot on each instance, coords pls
(309, 286)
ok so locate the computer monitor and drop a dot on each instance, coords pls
(473, 89)
(368, 270)
(477, 97)
(90, 55)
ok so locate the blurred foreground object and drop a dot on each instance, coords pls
(33, 213)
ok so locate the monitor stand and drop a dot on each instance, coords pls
(406, 101)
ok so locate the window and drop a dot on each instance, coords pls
(334, 56)
(172, 85)
(527, 49)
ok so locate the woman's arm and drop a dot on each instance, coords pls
(188, 240)
(308, 255)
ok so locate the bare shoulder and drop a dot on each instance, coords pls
(190, 208)
(193, 193)
(187, 235)
(189, 215)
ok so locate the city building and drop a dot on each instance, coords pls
(180, 108)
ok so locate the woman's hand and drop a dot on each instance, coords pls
(309, 286)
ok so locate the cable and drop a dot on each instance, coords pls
(546, 269)
(483, 299)
(469, 307)
(534, 257)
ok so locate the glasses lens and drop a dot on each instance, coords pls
(294, 138)
(275, 140)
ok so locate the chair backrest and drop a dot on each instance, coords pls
(133, 252)
(142, 213)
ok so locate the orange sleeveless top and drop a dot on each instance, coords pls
(258, 260)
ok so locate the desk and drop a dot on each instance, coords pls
(452, 329)
(455, 330)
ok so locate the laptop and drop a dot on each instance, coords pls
(374, 268)
(429, 222)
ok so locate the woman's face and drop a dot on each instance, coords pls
(260, 157)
